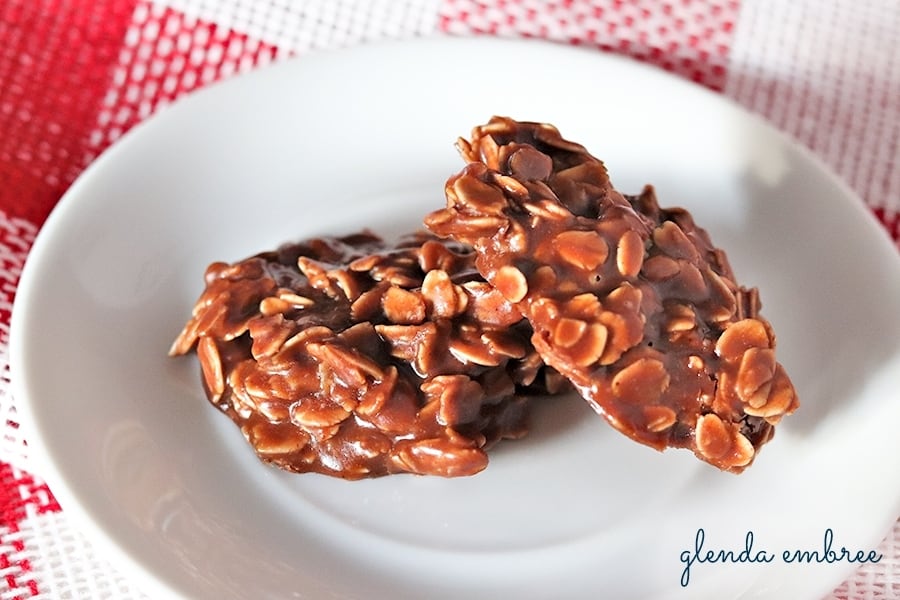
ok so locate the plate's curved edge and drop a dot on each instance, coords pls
(18, 322)
(47, 468)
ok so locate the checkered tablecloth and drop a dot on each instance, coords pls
(76, 74)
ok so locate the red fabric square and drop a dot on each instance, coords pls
(55, 67)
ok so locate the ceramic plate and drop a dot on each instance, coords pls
(334, 142)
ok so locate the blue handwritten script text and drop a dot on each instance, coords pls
(827, 555)
(824, 554)
(700, 555)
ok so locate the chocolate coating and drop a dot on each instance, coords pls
(629, 301)
(355, 358)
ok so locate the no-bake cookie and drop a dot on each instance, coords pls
(356, 358)
(631, 302)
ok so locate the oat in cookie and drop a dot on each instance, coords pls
(631, 302)
(354, 358)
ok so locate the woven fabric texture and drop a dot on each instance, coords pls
(76, 74)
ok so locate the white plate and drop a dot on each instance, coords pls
(336, 142)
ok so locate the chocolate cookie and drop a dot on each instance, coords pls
(355, 358)
(631, 302)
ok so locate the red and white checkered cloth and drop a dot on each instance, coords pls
(76, 74)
